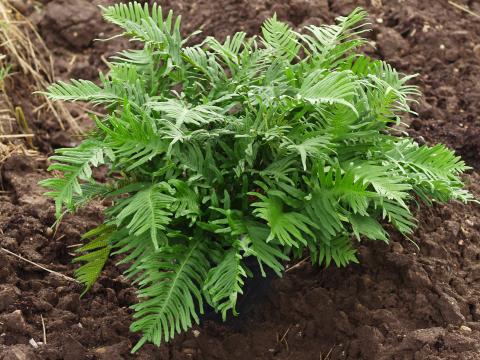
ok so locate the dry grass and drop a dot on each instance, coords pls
(7, 121)
(24, 54)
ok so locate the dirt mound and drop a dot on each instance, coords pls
(401, 302)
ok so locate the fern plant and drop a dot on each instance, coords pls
(267, 147)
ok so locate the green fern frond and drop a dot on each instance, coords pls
(81, 90)
(398, 215)
(280, 37)
(316, 147)
(176, 111)
(75, 164)
(429, 161)
(229, 51)
(329, 88)
(289, 228)
(323, 210)
(224, 282)
(386, 183)
(148, 25)
(328, 44)
(148, 212)
(97, 253)
(186, 201)
(368, 227)
(339, 249)
(267, 253)
(170, 284)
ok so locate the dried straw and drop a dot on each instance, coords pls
(22, 48)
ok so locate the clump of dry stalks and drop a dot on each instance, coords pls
(23, 53)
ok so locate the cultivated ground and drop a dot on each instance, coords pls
(399, 303)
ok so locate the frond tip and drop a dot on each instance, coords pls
(96, 254)
(224, 283)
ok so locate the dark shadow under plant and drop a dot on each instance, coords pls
(264, 147)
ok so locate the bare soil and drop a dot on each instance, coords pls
(400, 303)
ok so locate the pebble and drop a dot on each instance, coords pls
(33, 343)
(465, 328)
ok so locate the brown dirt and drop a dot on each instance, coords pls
(399, 303)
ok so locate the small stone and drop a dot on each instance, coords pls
(33, 343)
(465, 329)
(49, 231)
(196, 333)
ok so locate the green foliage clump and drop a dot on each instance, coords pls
(267, 147)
